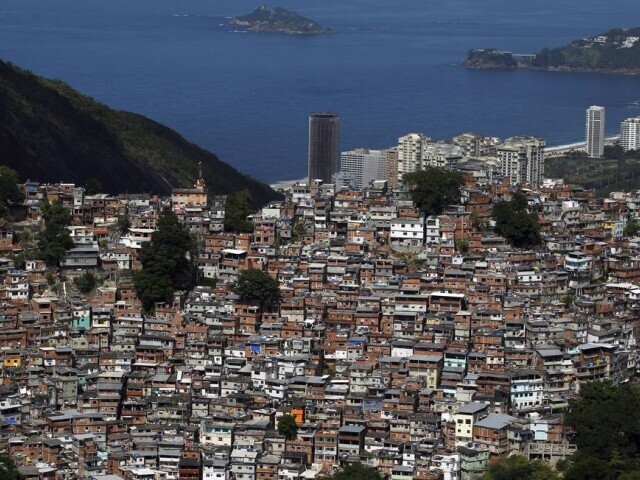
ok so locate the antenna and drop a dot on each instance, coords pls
(200, 181)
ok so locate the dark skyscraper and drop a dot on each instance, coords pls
(324, 138)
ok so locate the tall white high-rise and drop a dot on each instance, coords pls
(630, 134)
(595, 131)
(410, 153)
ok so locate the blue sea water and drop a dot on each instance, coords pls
(390, 68)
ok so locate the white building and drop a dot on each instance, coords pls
(410, 149)
(16, 285)
(595, 131)
(577, 262)
(135, 237)
(343, 180)
(630, 134)
(168, 462)
(214, 469)
(433, 230)
(216, 434)
(476, 145)
(407, 233)
(527, 390)
(364, 165)
(82, 236)
(441, 154)
(527, 275)
(521, 159)
(122, 261)
(448, 464)
(465, 419)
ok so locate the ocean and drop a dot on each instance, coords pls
(391, 68)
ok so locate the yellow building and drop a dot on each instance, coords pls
(196, 197)
(11, 358)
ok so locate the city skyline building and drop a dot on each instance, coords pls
(475, 145)
(410, 151)
(441, 154)
(630, 134)
(392, 166)
(324, 146)
(595, 131)
(365, 165)
(521, 159)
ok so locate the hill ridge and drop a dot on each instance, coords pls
(50, 132)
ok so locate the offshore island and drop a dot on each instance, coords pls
(614, 51)
(278, 20)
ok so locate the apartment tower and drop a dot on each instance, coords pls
(364, 165)
(630, 134)
(521, 160)
(595, 131)
(410, 148)
(324, 140)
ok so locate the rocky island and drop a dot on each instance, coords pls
(614, 51)
(278, 20)
(490, 58)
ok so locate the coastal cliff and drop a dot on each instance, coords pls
(278, 20)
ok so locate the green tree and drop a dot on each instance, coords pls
(433, 188)
(614, 151)
(357, 471)
(93, 186)
(477, 223)
(168, 262)
(518, 467)
(298, 231)
(10, 193)
(462, 246)
(589, 469)
(55, 239)
(124, 222)
(515, 223)
(257, 286)
(607, 432)
(519, 201)
(634, 475)
(632, 228)
(236, 209)
(20, 261)
(287, 427)
(601, 420)
(328, 370)
(8, 469)
(85, 282)
(207, 282)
